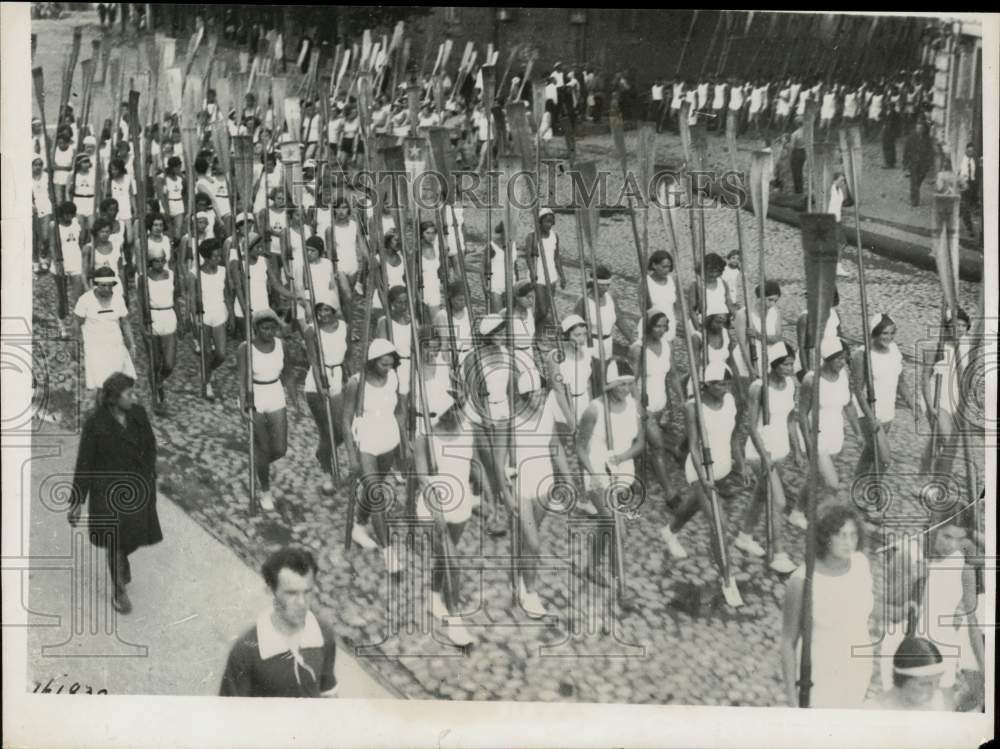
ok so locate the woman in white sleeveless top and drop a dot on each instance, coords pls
(160, 294)
(610, 316)
(716, 340)
(569, 369)
(834, 398)
(945, 412)
(84, 189)
(328, 333)
(460, 320)
(122, 189)
(772, 440)
(662, 387)
(714, 288)
(215, 305)
(494, 269)
(373, 437)
(270, 376)
(443, 461)
(772, 328)
(608, 454)
(100, 252)
(394, 264)
(662, 291)
(317, 271)
(70, 233)
(430, 270)
(842, 602)
(157, 239)
(718, 414)
(889, 382)
(260, 281)
(396, 327)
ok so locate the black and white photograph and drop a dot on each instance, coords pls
(498, 376)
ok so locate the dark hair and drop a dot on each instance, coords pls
(342, 201)
(652, 319)
(201, 165)
(829, 525)
(119, 163)
(395, 292)
(884, 323)
(299, 561)
(771, 288)
(456, 288)
(658, 257)
(152, 216)
(316, 243)
(714, 263)
(174, 161)
(425, 225)
(789, 355)
(116, 384)
(914, 652)
(962, 315)
(100, 223)
(67, 208)
(208, 246)
(107, 204)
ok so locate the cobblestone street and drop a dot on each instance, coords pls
(682, 644)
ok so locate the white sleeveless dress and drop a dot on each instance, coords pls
(719, 425)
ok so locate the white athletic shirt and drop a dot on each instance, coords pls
(334, 344)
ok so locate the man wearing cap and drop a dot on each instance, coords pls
(41, 214)
(544, 259)
(104, 330)
(610, 314)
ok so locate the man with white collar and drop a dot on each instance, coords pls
(288, 652)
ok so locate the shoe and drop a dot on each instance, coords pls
(43, 266)
(438, 609)
(36, 268)
(531, 603)
(121, 603)
(842, 272)
(475, 500)
(197, 346)
(673, 545)
(391, 560)
(746, 543)
(796, 518)
(327, 487)
(63, 333)
(359, 535)
(266, 500)
(209, 392)
(782, 564)
(586, 507)
(457, 633)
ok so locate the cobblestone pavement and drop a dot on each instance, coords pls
(682, 645)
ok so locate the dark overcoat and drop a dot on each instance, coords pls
(116, 475)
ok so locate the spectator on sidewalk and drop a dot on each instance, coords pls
(968, 183)
(918, 159)
(890, 133)
(116, 474)
(288, 652)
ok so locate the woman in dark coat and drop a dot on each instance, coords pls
(116, 469)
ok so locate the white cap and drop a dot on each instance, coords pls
(379, 347)
(830, 346)
(90, 140)
(259, 315)
(545, 212)
(490, 323)
(715, 371)
(571, 321)
(777, 351)
(874, 321)
(204, 215)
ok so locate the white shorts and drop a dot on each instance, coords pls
(268, 398)
(721, 468)
(72, 260)
(448, 494)
(164, 321)
(84, 206)
(60, 177)
(175, 208)
(214, 316)
(375, 435)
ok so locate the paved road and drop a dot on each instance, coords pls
(192, 598)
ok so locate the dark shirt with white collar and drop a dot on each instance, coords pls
(262, 662)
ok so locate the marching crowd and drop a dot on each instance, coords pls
(409, 373)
